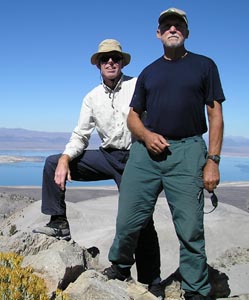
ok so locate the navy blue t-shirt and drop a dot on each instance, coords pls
(174, 94)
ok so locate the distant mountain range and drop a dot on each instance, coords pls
(23, 139)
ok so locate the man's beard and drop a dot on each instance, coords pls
(173, 46)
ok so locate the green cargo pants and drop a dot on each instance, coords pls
(179, 172)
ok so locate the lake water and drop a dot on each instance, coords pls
(30, 173)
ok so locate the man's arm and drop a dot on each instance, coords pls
(62, 171)
(78, 142)
(154, 142)
(211, 174)
(81, 134)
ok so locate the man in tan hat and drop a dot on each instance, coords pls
(176, 91)
(105, 108)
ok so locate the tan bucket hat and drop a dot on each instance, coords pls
(110, 45)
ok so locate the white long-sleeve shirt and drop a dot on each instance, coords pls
(106, 111)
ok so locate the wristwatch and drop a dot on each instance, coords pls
(215, 158)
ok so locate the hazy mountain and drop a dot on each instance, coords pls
(17, 139)
(236, 145)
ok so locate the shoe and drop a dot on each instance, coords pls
(115, 272)
(57, 227)
(157, 290)
(196, 296)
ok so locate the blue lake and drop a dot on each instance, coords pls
(30, 173)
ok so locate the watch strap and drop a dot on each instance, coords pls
(215, 158)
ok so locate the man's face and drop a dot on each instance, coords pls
(110, 65)
(172, 32)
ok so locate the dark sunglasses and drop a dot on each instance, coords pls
(165, 27)
(105, 58)
(214, 200)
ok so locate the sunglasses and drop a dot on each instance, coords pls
(105, 58)
(214, 200)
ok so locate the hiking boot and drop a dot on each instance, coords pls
(115, 272)
(57, 227)
(157, 290)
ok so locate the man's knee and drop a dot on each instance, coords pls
(51, 161)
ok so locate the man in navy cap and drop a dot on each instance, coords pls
(170, 152)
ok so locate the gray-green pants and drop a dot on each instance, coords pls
(179, 172)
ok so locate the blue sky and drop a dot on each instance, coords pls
(46, 46)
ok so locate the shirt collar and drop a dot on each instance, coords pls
(117, 87)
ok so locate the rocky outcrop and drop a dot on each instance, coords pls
(75, 270)
(69, 267)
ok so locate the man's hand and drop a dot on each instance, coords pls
(155, 143)
(62, 172)
(211, 175)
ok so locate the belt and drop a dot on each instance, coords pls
(177, 138)
(173, 138)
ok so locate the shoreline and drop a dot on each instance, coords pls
(233, 193)
(241, 183)
(9, 159)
